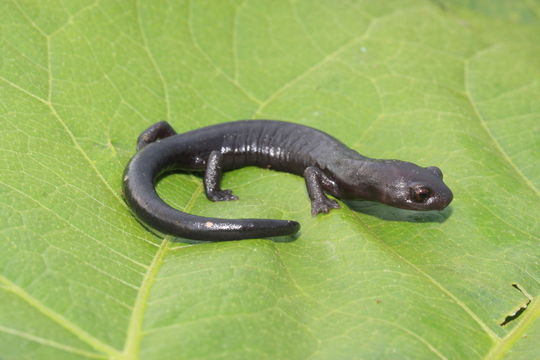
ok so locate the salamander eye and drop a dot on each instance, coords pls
(420, 194)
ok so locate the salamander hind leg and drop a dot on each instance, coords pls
(212, 178)
(316, 182)
(159, 130)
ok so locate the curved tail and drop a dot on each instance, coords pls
(143, 200)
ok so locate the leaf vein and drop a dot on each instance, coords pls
(493, 139)
(50, 343)
(58, 318)
(437, 284)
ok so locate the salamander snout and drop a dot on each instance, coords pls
(397, 183)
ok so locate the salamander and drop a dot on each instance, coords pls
(327, 165)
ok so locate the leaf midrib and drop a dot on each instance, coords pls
(135, 332)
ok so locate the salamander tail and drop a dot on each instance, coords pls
(152, 211)
(237, 229)
(142, 198)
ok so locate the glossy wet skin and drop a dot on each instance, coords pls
(399, 184)
(327, 165)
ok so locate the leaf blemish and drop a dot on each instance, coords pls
(514, 315)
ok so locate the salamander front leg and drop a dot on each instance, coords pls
(316, 182)
(212, 178)
(159, 130)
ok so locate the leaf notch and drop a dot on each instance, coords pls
(517, 313)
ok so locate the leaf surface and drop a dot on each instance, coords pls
(453, 84)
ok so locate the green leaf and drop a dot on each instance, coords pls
(453, 84)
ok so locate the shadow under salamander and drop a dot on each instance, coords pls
(388, 213)
(381, 211)
(277, 239)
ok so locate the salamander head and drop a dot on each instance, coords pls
(401, 184)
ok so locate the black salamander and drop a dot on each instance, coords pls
(327, 165)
